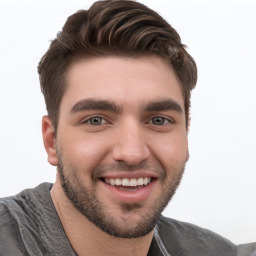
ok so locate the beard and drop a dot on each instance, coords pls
(86, 201)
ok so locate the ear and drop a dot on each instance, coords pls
(187, 155)
(49, 140)
(188, 127)
(189, 123)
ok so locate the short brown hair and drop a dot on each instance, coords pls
(112, 28)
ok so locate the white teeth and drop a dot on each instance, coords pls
(125, 182)
(146, 181)
(133, 183)
(128, 182)
(140, 181)
(117, 182)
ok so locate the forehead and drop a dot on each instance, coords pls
(125, 80)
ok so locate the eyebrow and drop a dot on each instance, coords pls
(166, 104)
(91, 104)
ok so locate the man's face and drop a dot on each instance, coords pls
(121, 141)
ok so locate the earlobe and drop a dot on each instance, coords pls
(49, 140)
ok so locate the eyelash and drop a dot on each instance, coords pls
(167, 120)
(87, 121)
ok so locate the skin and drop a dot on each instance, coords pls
(150, 140)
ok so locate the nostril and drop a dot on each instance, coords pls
(131, 155)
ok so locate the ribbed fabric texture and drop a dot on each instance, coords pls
(29, 225)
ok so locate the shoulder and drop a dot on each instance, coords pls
(16, 210)
(19, 215)
(28, 198)
(186, 237)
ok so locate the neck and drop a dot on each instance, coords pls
(87, 239)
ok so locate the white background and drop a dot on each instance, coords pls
(218, 190)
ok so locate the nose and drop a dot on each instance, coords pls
(130, 145)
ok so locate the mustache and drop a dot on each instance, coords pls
(123, 166)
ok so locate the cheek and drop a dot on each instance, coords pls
(171, 150)
(84, 152)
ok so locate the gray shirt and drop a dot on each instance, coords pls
(29, 225)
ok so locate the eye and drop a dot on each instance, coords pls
(159, 120)
(95, 120)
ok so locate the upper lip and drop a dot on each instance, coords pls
(128, 175)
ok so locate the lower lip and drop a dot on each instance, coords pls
(130, 196)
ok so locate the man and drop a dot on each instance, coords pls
(117, 84)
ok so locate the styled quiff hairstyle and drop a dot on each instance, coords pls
(124, 28)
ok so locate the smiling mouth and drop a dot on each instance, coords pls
(128, 184)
